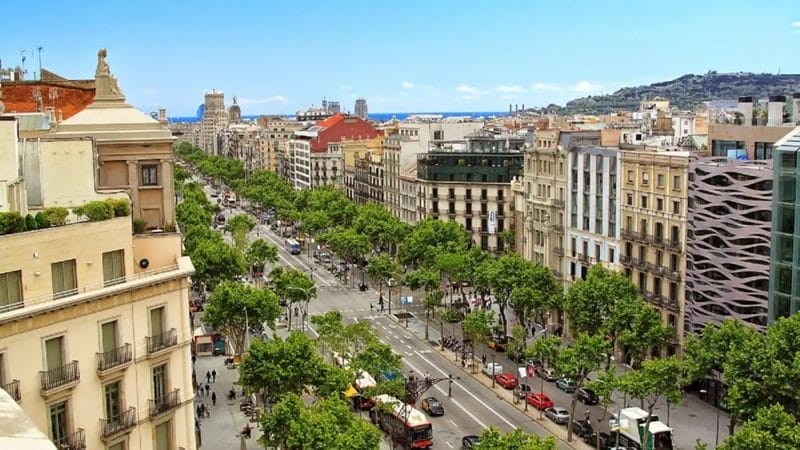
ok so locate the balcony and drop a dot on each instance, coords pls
(165, 404)
(674, 275)
(13, 390)
(558, 251)
(558, 275)
(652, 268)
(639, 262)
(113, 428)
(74, 441)
(558, 203)
(559, 228)
(451, 213)
(674, 244)
(162, 341)
(658, 240)
(628, 234)
(648, 295)
(583, 257)
(112, 360)
(625, 260)
(60, 378)
(468, 213)
(642, 237)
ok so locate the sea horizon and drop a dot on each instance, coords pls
(379, 117)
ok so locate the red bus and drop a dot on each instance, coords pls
(406, 425)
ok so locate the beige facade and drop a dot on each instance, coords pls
(409, 205)
(12, 184)
(94, 320)
(354, 150)
(756, 140)
(653, 208)
(276, 135)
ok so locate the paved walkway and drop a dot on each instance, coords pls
(220, 430)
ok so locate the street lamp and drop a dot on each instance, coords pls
(716, 405)
(494, 375)
(307, 292)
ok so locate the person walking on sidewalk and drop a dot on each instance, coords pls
(214, 398)
(214, 376)
(208, 377)
(483, 359)
(588, 414)
(208, 388)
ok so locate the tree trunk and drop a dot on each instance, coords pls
(427, 318)
(572, 404)
(502, 307)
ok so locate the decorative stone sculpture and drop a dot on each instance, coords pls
(105, 83)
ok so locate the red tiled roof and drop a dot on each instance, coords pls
(340, 127)
(70, 100)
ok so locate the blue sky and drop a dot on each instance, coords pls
(402, 56)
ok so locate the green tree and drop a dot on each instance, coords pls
(423, 278)
(493, 439)
(507, 273)
(293, 286)
(348, 244)
(330, 328)
(233, 307)
(654, 380)
(277, 367)
(189, 213)
(429, 238)
(381, 268)
(239, 225)
(772, 428)
(453, 267)
(589, 302)
(378, 224)
(376, 358)
(603, 386)
(259, 253)
(587, 354)
(330, 425)
(276, 423)
(637, 327)
(431, 302)
(478, 327)
(544, 350)
(215, 261)
(315, 222)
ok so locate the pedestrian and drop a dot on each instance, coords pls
(199, 412)
(208, 388)
(208, 377)
(214, 398)
(194, 359)
(588, 414)
(198, 390)
(202, 409)
(463, 364)
(214, 375)
(483, 359)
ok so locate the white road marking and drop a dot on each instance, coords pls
(409, 347)
(455, 402)
(449, 444)
(454, 424)
(513, 427)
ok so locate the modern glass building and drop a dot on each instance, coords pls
(784, 283)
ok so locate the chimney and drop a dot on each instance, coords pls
(746, 110)
(796, 108)
(775, 110)
(162, 115)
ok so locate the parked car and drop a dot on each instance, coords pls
(432, 406)
(587, 396)
(507, 380)
(539, 400)
(557, 414)
(523, 389)
(492, 369)
(470, 441)
(582, 428)
(591, 439)
(499, 343)
(547, 374)
(532, 365)
(566, 385)
(516, 355)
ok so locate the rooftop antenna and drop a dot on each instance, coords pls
(22, 52)
(40, 62)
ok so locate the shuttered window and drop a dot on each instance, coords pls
(10, 290)
(113, 267)
(65, 281)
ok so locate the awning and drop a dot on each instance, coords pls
(350, 392)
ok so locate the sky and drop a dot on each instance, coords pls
(401, 56)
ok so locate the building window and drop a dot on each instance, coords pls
(629, 199)
(676, 183)
(468, 195)
(163, 436)
(54, 353)
(451, 193)
(59, 426)
(484, 242)
(500, 210)
(468, 224)
(10, 290)
(659, 204)
(611, 255)
(159, 382)
(676, 207)
(644, 201)
(157, 322)
(113, 401)
(113, 267)
(660, 181)
(149, 175)
(763, 150)
(65, 281)
(645, 178)
(630, 176)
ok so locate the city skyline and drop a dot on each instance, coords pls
(433, 57)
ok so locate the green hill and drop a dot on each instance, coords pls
(688, 92)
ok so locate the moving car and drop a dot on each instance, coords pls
(582, 428)
(557, 414)
(507, 380)
(492, 369)
(547, 374)
(566, 385)
(499, 343)
(470, 441)
(539, 400)
(432, 406)
(587, 396)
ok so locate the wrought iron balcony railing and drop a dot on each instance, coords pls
(73, 441)
(13, 390)
(114, 358)
(162, 341)
(118, 425)
(165, 403)
(60, 376)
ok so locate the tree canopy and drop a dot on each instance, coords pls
(234, 306)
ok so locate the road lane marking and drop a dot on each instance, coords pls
(454, 424)
(409, 347)
(455, 402)
(451, 445)
(513, 427)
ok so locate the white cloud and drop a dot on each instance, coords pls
(149, 91)
(346, 87)
(585, 87)
(508, 97)
(796, 24)
(407, 85)
(542, 86)
(513, 89)
(471, 91)
(255, 101)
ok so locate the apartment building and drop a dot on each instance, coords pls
(354, 150)
(276, 134)
(469, 181)
(545, 195)
(784, 288)
(94, 339)
(368, 179)
(411, 139)
(728, 241)
(593, 210)
(243, 141)
(653, 207)
(410, 206)
(214, 120)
